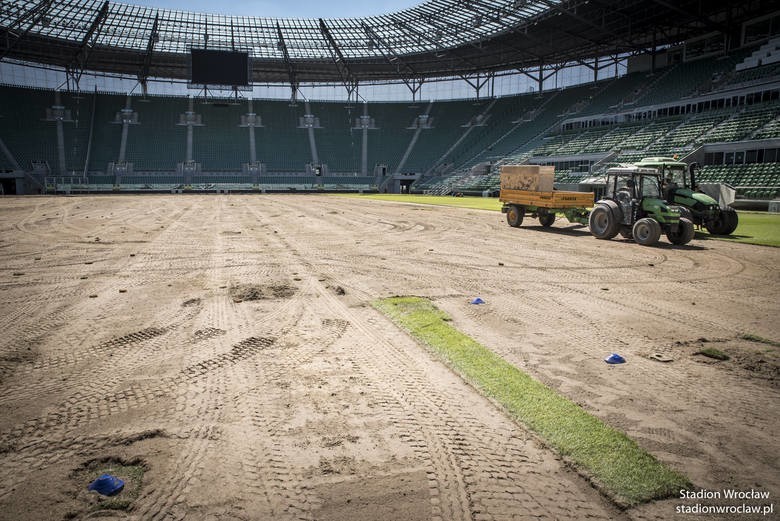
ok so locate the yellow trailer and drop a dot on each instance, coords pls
(575, 206)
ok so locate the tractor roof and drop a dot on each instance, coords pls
(629, 170)
(658, 161)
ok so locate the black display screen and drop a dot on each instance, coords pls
(213, 67)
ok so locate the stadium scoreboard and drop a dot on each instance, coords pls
(216, 67)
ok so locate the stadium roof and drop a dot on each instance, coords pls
(437, 38)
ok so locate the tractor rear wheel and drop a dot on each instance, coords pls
(646, 231)
(547, 219)
(724, 224)
(684, 233)
(514, 215)
(603, 222)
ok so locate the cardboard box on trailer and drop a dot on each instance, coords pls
(532, 178)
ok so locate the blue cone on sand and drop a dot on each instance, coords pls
(107, 485)
(615, 358)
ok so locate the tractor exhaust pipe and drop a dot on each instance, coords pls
(692, 168)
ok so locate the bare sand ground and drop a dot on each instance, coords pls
(227, 344)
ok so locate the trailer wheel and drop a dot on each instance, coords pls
(646, 231)
(603, 223)
(684, 233)
(514, 215)
(547, 219)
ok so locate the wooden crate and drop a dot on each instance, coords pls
(532, 178)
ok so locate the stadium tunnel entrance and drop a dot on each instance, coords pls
(399, 183)
(8, 186)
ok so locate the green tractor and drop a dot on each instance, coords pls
(680, 188)
(633, 206)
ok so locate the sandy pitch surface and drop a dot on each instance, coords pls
(227, 343)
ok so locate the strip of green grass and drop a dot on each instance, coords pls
(612, 460)
(711, 352)
(754, 227)
(760, 339)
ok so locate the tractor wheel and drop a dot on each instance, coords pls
(514, 215)
(724, 224)
(625, 232)
(686, 212)
(547, 219)
(603, 223)
(684, 233)
(646, 231)
(732, 220)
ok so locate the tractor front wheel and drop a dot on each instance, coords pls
(724, 224)
(646, 231)
(514, 215)
(684, 233)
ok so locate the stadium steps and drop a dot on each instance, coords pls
(742, 124)
(770, 130)
(482, 118)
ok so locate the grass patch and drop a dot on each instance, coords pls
(612, 460)
(131, 472)
(759, 339)
(754, 228)
(711, 352)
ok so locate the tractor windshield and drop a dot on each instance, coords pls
(650, 187)
(678, 177)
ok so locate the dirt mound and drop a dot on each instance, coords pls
(245, 292)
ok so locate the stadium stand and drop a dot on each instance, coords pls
(158, 143)
(770, 130)
(581, 129)
(108, 135)
(225, 147)
(615, 94)
(388, 141)
(37, 141)
(760, 180)
(687, 79)
(447, 118)
(339, 146)
(688, 133)
(743, 124)
(280, 143)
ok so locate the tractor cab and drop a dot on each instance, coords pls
(680, 187)
(637, 191)
(676, 176)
